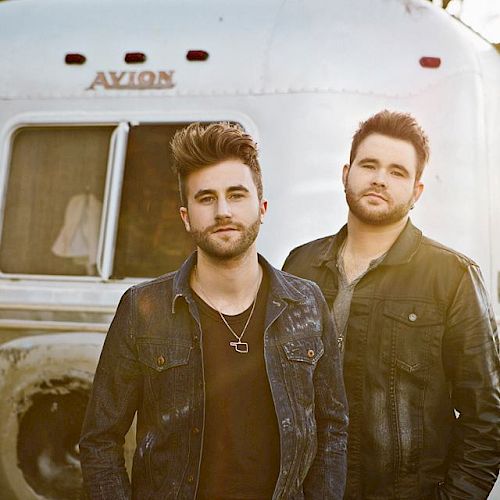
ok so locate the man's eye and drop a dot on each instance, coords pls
(207, 199)
(236, 196)
(398, 173)
(370, 167)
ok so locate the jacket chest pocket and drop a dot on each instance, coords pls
(166, 370)
(415, 330)
(301, 358)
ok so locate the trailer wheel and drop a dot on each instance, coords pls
(45, 384)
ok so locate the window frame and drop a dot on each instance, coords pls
(114, 176)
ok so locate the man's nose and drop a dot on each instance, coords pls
(223, 209)
(379, 178)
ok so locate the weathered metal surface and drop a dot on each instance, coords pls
(52, 326)
(298, 76)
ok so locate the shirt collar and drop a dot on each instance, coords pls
(401, 252)
(280, 286)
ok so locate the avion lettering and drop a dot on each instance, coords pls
(132, 80)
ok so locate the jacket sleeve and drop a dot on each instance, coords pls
(471, 359)
(327, 476)
(112, 405)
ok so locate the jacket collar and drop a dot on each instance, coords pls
(329, 254)
(280, 286)
(405, 247)
(401, 252)
(181, 286)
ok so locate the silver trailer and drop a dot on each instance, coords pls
(90, 94)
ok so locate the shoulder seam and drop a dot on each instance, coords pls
(463, 259)
(154, 281)
(317, 240)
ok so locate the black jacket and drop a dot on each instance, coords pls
(151, 364)
(421, 369)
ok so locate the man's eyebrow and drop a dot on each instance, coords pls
(203, 192)
(230, 189)
(368, 160)
(238, 187)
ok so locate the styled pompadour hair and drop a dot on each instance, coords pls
(202, 145)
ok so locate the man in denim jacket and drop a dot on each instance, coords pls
(421, 362)
(231, 365)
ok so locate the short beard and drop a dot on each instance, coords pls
(225, 251)
(389, 216)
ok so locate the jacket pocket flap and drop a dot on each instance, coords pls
(307, 350)
(407, 367)
(413, 314)
(162, 356)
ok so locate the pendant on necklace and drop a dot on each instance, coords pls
(239, 346)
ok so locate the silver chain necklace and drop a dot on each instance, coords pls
(239, 346)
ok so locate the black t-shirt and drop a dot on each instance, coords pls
(241, 450)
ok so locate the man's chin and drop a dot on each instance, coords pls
(224, 250)
(379, 218)
(374, 215)
(225, 247)
(223, 254)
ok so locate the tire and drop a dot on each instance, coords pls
(45, 383)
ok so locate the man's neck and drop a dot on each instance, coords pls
(366, 242)
(230, 285)
(370, 241)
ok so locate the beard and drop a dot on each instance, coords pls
(377, 216)
(230, 249)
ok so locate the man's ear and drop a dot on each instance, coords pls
(417, 191)
(345, 173)
(262, 210)
(183, 211)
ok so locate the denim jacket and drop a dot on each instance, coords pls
(421, 368)
(151, 363)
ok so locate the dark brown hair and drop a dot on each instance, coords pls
(202, 145)
(398, 126)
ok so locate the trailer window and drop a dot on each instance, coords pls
(53, 201)
(151, 238)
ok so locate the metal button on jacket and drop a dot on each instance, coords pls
(160, 361)
(412, 317)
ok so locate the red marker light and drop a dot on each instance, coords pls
(74, 59)
(197, 55)
(135, 57)
(430, 62)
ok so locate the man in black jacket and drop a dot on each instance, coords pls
(230, 365)
(420, 343)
